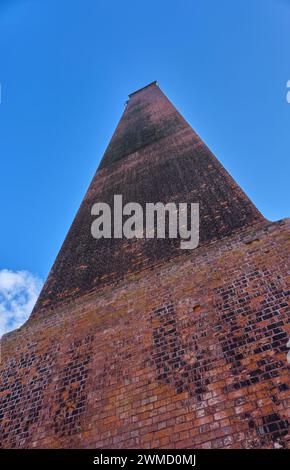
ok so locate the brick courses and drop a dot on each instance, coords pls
(153, 156)
(157, 348)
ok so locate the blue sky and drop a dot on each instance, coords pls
(66, 68)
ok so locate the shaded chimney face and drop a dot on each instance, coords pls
(153, 156)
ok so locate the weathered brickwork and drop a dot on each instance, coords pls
(190, 354)
(138, 344)
(154, 155)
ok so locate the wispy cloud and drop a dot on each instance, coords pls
(18, 293)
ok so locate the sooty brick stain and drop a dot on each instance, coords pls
(71, 392)
(24, 381)
(169, 355)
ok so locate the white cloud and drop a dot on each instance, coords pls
(18, 293)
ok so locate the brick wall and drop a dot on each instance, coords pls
(189, 353)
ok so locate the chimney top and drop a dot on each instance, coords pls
(143, 88)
